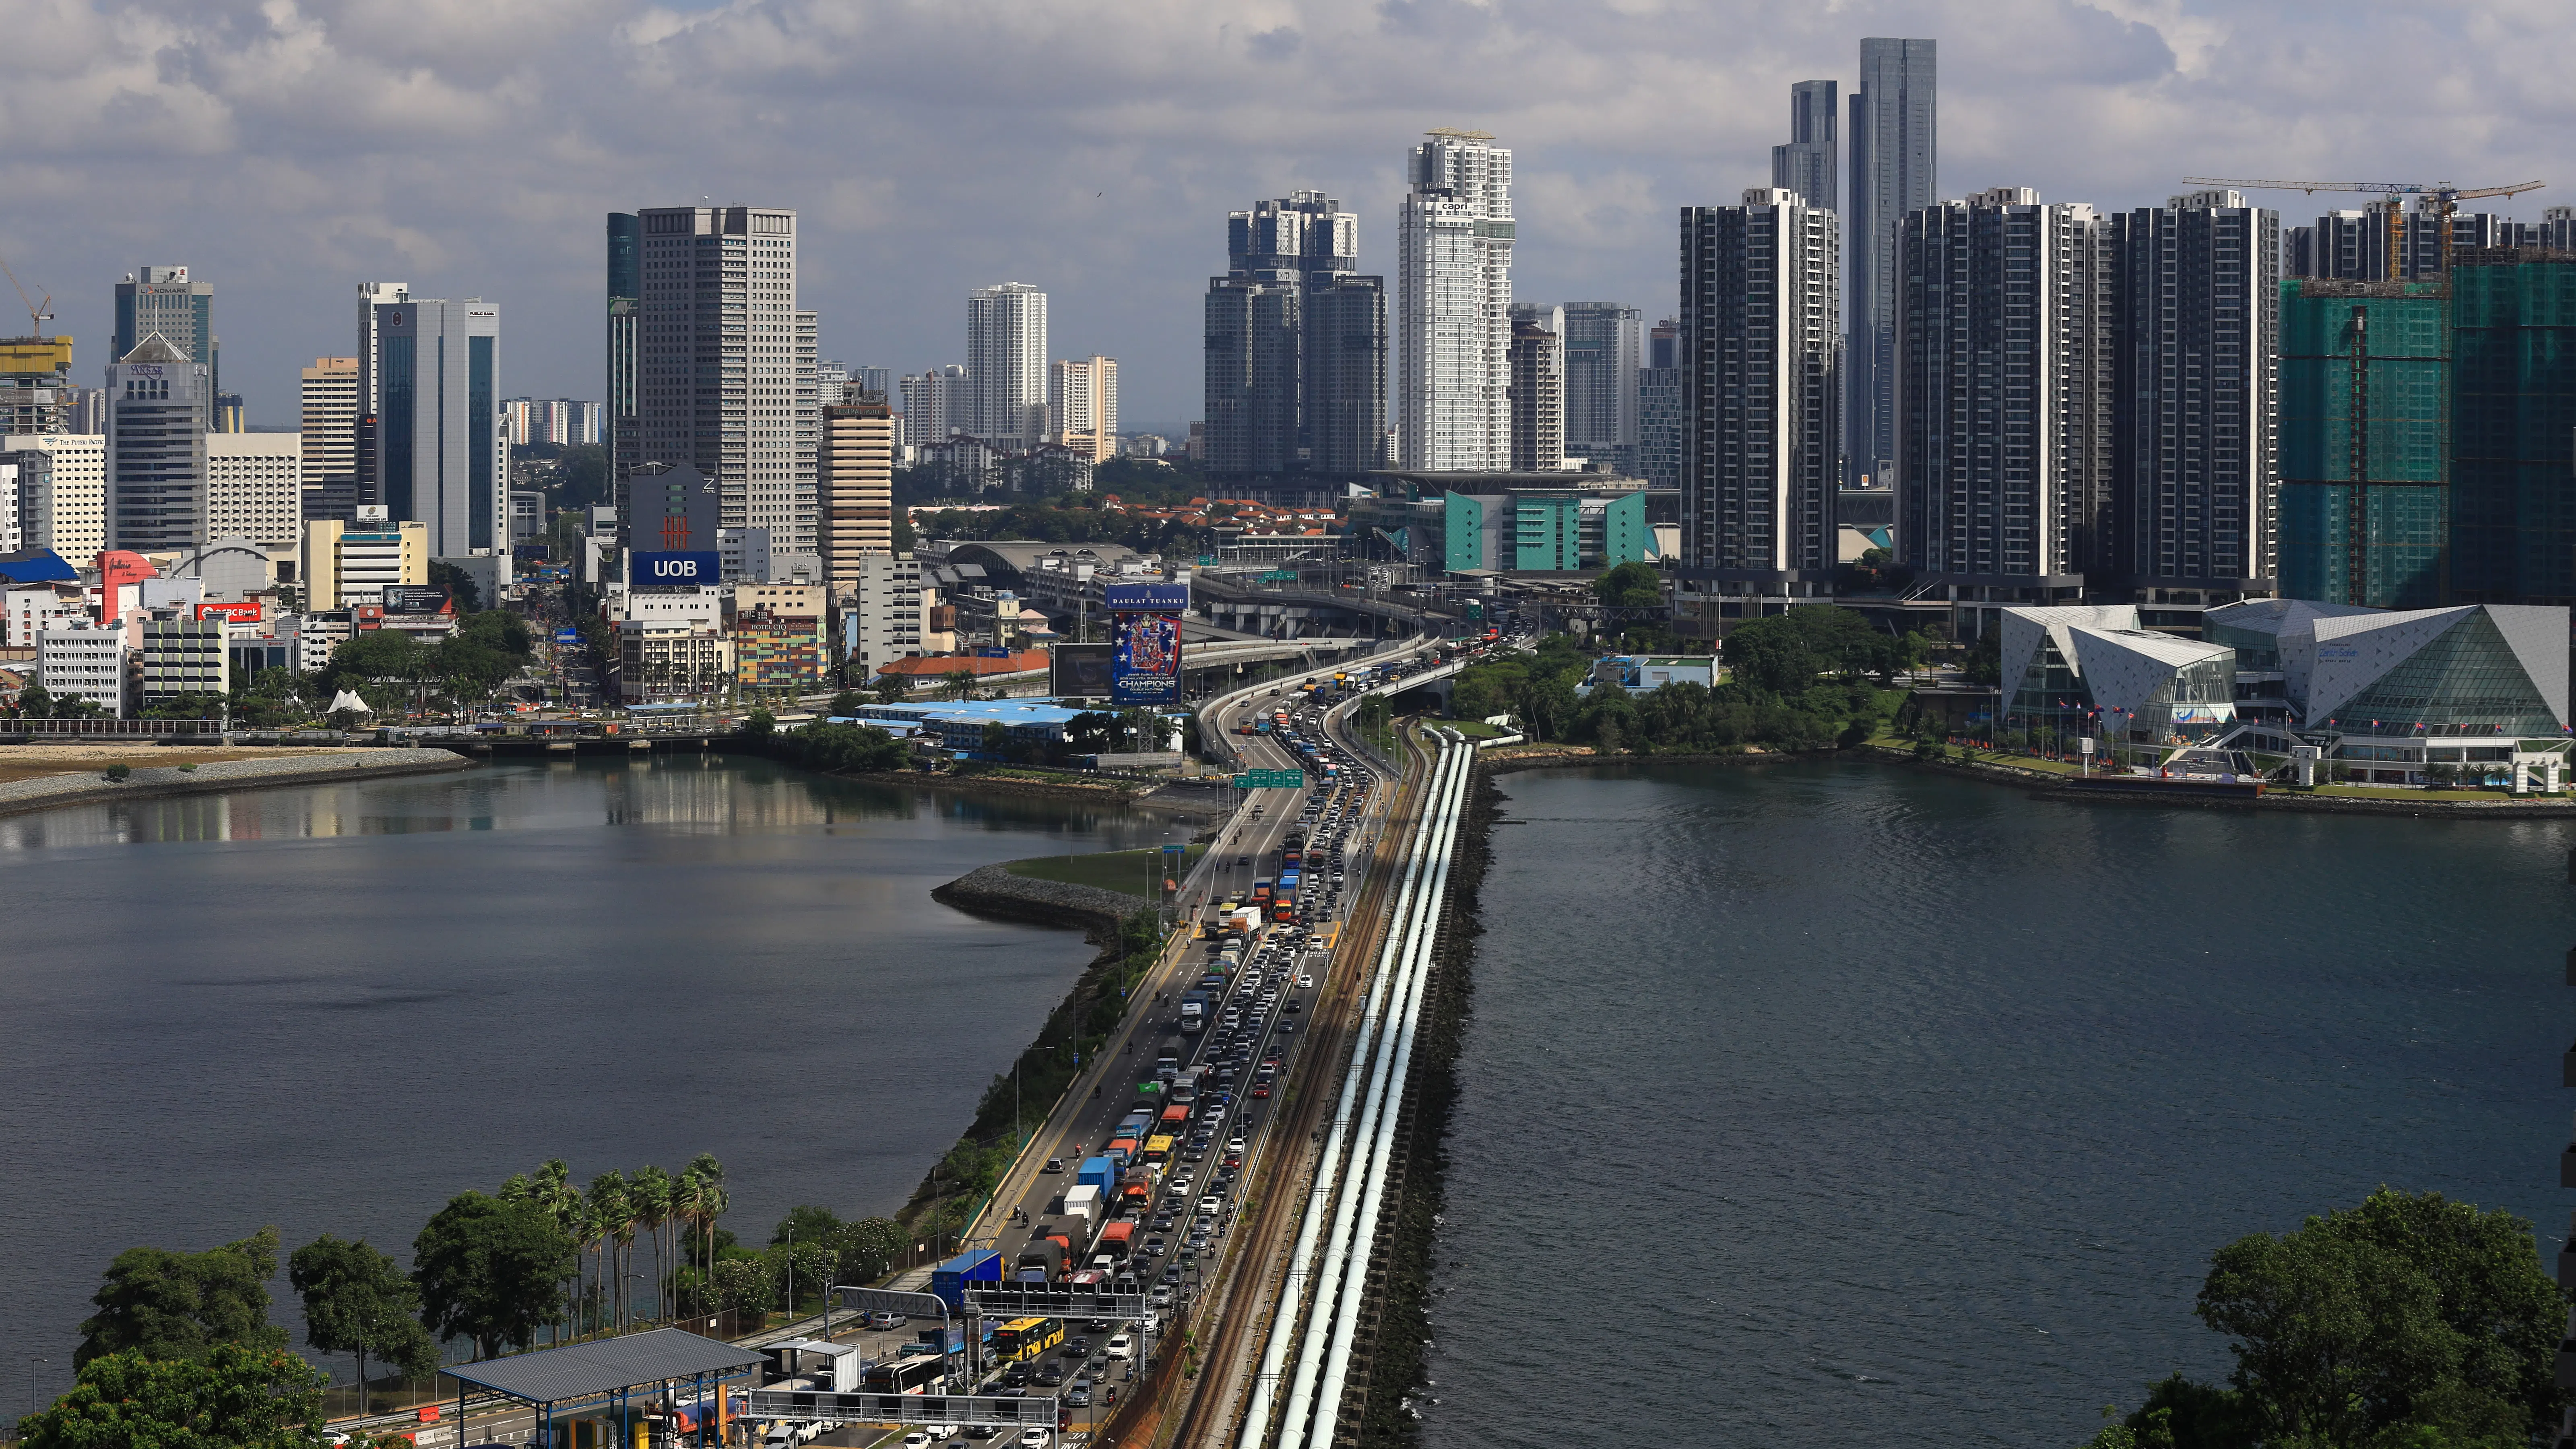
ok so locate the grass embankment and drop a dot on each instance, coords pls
(1135, 872)
(1476, 729)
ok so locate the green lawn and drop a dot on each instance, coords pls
(1476, 729)
(1115, 870)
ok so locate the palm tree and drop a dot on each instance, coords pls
(608, 1215)
(652, 1203)
(710, 1202)
(551, 1186)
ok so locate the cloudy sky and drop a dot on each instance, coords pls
(288, 149)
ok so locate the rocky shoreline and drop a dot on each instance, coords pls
(995, 893)
(54, 792)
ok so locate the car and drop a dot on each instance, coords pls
(1012, 1391)
(1099, 1325)
(1161, 1297)
(885, 1318)
(981, 1431)
(1078, 1396)
(1016, 1376)
(1210, 1205)
(1050, 1377)
(1305, 982)
(1035, 1436)
(1172, 1275)
(1077, 1347)
(1261, 1089)
(1153, 1247)
(1054, 1164)
(917, 1439)
(1121, 1347)
(943, 1431)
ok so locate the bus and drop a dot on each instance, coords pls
(1158, 1149)
(908, 1376)
(1024, 1339)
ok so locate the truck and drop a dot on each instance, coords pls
(1193, 1010)
(1175, 1118)
(1168, 1065)
(1261, 889)
(1042, 1261)
(1121, 1150)
(1097, 1173)
(1082, 1202)
(949, 1279)
(1116, 1240)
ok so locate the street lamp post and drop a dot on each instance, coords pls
(33, 1404)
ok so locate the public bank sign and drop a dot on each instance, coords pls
(673, 568)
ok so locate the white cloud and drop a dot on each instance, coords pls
(288, 148)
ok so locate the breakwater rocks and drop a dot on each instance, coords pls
(53, 792)
(996, 893)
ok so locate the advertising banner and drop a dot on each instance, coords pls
(1082, 669)
(246, 613)
(1154, 598)
(1145, 663)
(672, 569)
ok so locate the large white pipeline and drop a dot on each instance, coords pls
(1346, 1258)
(1320, 1194)
(1381, 1155)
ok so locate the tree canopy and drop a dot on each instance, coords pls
(235, 1396)
(490, 1271)
(1632, 585)
(357, 1302)
(2410, 1322)
(169, 1305)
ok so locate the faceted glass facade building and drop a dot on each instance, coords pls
(2091, 669)
(2365, 456)
(2513, 417)
(2494, 671)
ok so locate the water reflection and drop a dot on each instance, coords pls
(696, 794)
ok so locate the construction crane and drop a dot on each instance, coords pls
(2443, 195)
(38, 313)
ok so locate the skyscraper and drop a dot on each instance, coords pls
(934, 405)
(1659, 407)
(2004, 396)
(1006, 359)
(35, 383)
(856, 476)
(625, 317)
(1759, 361)
(159, 403)
(1454, 296)
(443, 457)
(2365, 454)
(1601, 355)
(1296, 343)
(1082, 406)
(2197, 406)
(718, 355)
(2513, 534)
(329, 420)
(1893, 171)
(1806, 164)
(163, 300)
(1538, 388)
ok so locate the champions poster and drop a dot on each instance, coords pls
(1145, 663)
(1145, 667)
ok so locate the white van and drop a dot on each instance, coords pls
(1121, 1347)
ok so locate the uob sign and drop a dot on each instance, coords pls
(673, 568)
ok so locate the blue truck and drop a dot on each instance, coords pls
(948, 1281)
(1101, 1173)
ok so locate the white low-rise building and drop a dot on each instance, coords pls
(86, 663)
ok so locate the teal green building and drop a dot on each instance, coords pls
(2365, 443)
(1543, 530)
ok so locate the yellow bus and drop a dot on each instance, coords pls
(1157, 1149)
(1026, 1338)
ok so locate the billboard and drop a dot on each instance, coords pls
(247, 613)
(1154, 598)
(649, 569)
(1081, 669)
(1145, 659)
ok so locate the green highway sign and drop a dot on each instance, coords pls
(1271, 780)
(1280, 576)
(1207, 560)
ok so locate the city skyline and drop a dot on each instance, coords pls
(287, 208)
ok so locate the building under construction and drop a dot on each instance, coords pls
(2365, 442)
(2513, 421)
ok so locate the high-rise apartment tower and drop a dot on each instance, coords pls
(1758, 358)
(1454, 296)
(1006, 364)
